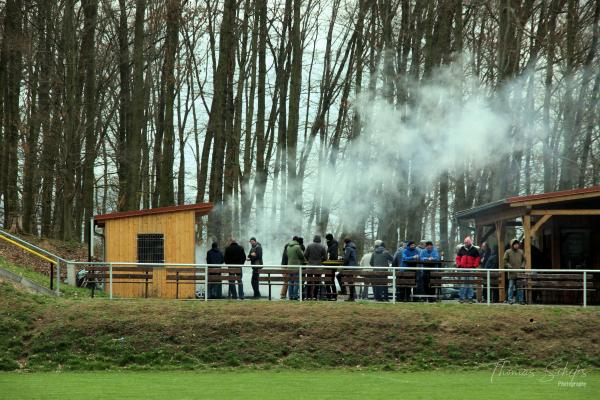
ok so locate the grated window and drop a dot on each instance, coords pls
(151, 248)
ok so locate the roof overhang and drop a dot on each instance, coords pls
(200, 208)
(517, 206)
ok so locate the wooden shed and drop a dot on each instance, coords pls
(157, 235)
(560, 230)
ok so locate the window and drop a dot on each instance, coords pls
(151, 248)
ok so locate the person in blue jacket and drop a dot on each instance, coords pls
(410, 253)
(429, 253)
(402, 292)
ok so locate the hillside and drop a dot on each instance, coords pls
(39, 333)
(68, 250)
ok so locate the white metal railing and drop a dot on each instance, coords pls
(58, 260)
(300, 268)
(37, 251)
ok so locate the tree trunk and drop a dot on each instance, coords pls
(12, 49)
(71, 139)
(218, 117)
(166, 191)
(90, 8)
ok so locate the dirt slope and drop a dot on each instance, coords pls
(44, 333)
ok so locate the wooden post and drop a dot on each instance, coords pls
(500, 239)
(527, 232)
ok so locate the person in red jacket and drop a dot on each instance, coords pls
(467, 256)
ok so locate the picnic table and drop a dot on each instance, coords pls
(425, 291)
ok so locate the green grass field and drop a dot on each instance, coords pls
(294, 385)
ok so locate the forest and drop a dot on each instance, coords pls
(371, 118)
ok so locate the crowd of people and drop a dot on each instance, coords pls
(319, 287)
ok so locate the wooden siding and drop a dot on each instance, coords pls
(179, 246)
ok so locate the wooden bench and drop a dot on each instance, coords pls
(404, 279)
(101, 275)
(440, 279)
(193, 276)
(554, 281)
(280, 276)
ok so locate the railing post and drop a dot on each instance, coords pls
(58, 277)
(393, 285)
(585, 288)
(300, 282)
(51, 276)
(206, 283)
(487, 295)
(110, 281)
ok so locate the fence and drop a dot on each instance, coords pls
(487, 275)
(584, 284)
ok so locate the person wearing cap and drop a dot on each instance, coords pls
(429, 253)
(350, 260)
(402, 293)
(514, 258)
(255, 256)
(332, 247)
(381, 258)
(410, 253)
(215, 257)
(315, 254)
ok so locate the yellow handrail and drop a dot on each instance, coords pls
(28, 249)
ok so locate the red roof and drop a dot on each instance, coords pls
(550, 195)
(204, 208)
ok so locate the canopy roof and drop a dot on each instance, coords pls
(575, 199)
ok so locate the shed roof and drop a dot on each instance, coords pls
(203, 208)
(530, 200)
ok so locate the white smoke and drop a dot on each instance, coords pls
(450, 123)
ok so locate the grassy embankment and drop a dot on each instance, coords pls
(79, 333)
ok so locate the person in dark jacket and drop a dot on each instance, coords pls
(332, 247)
(332, 255)
(255, 257)
(484, 253)
(467, 256)
(350, 260)
(380, 258)
(491, 262)
(315, 254)
(215, 257)
(235, 255)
